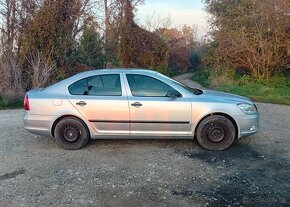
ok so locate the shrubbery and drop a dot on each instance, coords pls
(11, 99)
(275, 90)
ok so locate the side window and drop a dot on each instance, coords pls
(104, 85)
(79, 87)
(145, 86)
(99, 85)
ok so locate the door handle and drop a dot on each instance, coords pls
(136, 104)
(81, 103)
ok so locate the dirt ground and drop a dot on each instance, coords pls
(255, 171)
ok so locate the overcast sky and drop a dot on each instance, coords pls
(189, 12)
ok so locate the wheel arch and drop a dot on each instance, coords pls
(68, 116)
(221, 114)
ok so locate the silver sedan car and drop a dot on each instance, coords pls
(135, 103)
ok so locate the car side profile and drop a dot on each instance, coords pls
(136, 103)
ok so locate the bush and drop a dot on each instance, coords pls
(277, 81)
(245, 80)
(275, 90)
(11, 99)
(221, 75)
(201, 76)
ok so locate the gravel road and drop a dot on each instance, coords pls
(255, 171)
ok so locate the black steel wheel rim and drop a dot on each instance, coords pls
(71, 133)
(215, 133)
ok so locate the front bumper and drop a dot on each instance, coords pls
(247, 124)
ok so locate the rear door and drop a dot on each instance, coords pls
(152, 113)
(102, 100)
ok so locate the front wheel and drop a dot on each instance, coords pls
(216, 132)
(71, 133)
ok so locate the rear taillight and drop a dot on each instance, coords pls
(26, 103)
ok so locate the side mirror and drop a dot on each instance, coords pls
(173, 94)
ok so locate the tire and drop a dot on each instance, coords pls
(71, 133)
(216, 133)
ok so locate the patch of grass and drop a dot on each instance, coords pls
(11, 100)
(259, 92)
(16, 105)
(202, 77)
(276, 90)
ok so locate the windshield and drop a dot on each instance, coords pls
(194, 91)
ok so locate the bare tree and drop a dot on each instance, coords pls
(88, 13)
(10, 74)
(42, 69)
(15, 15)
(155, 22)
(256, 39)
(8, 12)
(114, 11)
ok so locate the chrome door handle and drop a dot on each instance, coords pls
(136, 104)
(81, 103)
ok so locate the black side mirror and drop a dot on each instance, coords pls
(173, 94)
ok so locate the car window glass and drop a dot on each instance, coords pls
(146, 86)
(100, 85)
(104, 85)
(79, 87)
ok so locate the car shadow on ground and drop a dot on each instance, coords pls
(255, 180)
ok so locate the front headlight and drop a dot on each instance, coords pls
(248, 108)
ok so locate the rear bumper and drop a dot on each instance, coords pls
(248, 124)
(38, 124)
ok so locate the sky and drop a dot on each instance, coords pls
(182, 12)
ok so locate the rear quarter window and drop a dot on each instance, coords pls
(79, 88)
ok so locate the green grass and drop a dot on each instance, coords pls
(277, 90)
(261, 93)
(15, 105)
(202, 77)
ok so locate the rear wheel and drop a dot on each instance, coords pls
(216, 133)
(71, 133)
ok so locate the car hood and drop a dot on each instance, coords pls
(222, 96)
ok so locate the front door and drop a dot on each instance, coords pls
(152, 112)
(100, 99)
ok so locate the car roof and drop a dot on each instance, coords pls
(117, 70)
